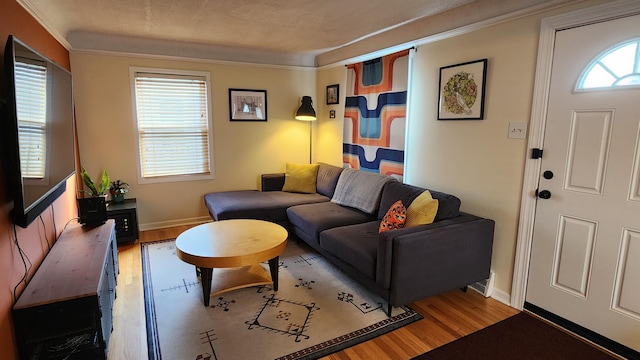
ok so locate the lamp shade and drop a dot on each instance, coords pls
(305, 111)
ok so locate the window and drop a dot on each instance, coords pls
(172, 113)
(31, 108)
(619, 66)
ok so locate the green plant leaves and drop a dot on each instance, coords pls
(91, 189)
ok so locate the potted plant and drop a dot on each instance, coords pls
(91, 188)
(92, 210)
(117, 189)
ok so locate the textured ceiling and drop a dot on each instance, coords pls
(293, 30)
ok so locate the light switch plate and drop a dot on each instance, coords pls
(517, 130)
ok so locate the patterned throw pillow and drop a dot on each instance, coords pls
(394, 218)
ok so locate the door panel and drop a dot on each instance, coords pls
(634, 190)
(626, 297)
(588, 151)
(585, 255)
(574, 254)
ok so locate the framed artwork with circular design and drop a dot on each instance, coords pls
(462, 88)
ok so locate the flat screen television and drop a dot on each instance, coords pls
(37, 131)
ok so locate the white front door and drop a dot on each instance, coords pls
(585, 256)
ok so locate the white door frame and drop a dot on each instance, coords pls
(537, 124)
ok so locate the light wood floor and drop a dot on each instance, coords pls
(446, 317)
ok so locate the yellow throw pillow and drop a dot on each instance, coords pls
(422, 210)
(301, 178)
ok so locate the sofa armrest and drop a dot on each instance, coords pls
(419, 262)
(272, 182)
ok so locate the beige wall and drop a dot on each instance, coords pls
(472, 159)
(242, 150)
(329, 139)
(475, 160)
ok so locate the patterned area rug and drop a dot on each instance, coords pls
(316, 311)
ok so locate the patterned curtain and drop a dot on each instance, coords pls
(375, 114)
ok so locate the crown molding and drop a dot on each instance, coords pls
(42, 20)
(192, 59)
(325, 60)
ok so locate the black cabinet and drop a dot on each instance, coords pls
(126, 216)
(65, 312)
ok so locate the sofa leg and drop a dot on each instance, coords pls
(464, 289)
(389, 308)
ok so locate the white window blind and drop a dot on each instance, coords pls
(173, 124)
(31, 107)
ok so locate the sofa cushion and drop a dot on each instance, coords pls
(422, 210)
(312, 219)
(356, 245)
(272, 182)
(448, 205)
(360, 190)
(328, 176)
(395, 217)
(300, 178)
(253, 204)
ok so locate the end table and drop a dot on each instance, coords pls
(126, 217)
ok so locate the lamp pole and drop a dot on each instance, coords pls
(310, 140)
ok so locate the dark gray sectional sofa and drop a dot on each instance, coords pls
(402, 265)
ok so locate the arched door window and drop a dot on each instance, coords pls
(615, 67)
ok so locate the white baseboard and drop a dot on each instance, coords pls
(501, 296)
(171, 223)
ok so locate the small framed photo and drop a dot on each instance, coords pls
(332, 114)
(247, 105)
(333, 94)
(462, 88)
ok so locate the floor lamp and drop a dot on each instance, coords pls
(306, 113)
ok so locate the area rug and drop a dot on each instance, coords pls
(521, 337)
(316, 311)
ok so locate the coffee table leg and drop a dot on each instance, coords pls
(205, 278)
(273, 267)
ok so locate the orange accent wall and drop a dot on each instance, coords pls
(40, 235)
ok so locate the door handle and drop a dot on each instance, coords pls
(544, 194)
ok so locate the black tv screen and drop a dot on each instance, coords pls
(37, 131)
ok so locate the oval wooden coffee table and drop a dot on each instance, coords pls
(235, 248)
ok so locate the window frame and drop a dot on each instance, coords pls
(579, 87)
(133, 70)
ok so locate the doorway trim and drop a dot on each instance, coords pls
(537, 123)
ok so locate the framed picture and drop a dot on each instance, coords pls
(333, 94)
(462, 88)
(247, 105)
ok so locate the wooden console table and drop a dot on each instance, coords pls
(65, 312)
